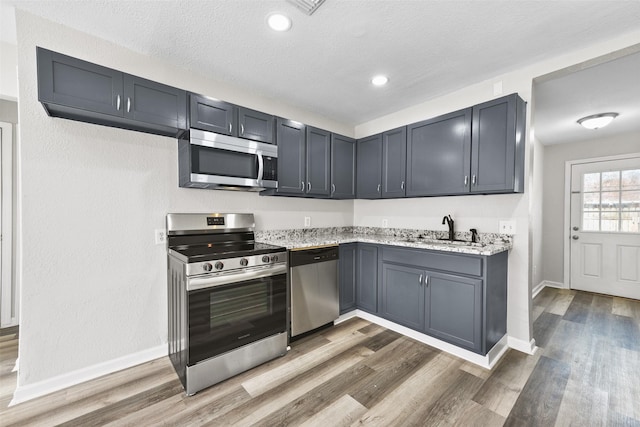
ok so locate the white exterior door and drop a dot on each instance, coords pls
(605, 227)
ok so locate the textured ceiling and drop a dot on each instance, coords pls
(613, 86)
(427, 48)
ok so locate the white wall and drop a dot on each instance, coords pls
(8, 71)
(555, 157)
(536, 213)
(93, 281)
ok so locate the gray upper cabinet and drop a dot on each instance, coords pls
(438, 155)
(291, 139)
(368, 170)
(367, 277)
(343, 167)
(318, 161)
(497, 156)
(212, 115)
(255, 125)
(394, 161)
(402, 299)
(454, 309)
(74, 89)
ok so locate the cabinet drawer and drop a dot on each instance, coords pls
(433, 260)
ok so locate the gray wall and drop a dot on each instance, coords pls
(555, 157)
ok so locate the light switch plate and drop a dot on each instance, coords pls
(307, 221)
(507, 227)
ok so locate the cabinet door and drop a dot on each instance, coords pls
(255, 125)
(367, 278)
(154, 103)
(402, 299)
(454, 309)
(318, 161)
(74, 83)
(211, 114)
(369, 167)
(347, 277)
(394, 162)
(493, 145)
(438, 155)
(343, 167)
(291, 156)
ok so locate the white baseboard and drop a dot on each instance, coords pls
(523, 346)
(540, 286)
(31, 391)
(486, 362)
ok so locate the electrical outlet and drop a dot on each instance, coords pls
(307, 221)
(385, 223)
(161, 236)
(507, 227)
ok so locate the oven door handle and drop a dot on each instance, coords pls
(211, 281)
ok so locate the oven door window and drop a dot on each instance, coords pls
(216, 161)
(227, 317)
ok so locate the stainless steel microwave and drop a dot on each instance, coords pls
(221, 162)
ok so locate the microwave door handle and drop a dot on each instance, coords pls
(260, 166)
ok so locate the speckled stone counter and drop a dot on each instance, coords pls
(489, 243)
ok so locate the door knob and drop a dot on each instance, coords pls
(576, 228)
(575, 237)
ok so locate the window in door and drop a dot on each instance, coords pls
(611, 201)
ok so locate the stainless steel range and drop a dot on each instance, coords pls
(227, 298)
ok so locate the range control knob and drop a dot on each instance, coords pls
(274, 258)
(265, 258)
(244, 262)
(206, 266)
(219, 265)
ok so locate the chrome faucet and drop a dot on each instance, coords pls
(449, 222)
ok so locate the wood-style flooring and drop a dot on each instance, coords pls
(585, 373)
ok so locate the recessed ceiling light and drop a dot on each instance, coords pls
(279, 22)
(597, 121)
(379, 80)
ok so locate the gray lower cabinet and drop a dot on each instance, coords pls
(212, 115)
(347, 276)
(457, 298)
(438, 155)
(367, 277)
(402, 295)
(343, 167)
(255, 125)
(454, 309)
(78, 90)
(497, 146)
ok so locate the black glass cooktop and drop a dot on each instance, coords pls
(214, 251)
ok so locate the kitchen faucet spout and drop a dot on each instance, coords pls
(450, 223)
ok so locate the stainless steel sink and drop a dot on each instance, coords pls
(445, 242)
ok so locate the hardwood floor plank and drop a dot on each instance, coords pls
(539, 401)
(578, 310)
(340, 413)
(624, 385)
(625, 332)
(618, 420)
(474, 415)
(561, 302)
(626, 307)
(545, 327)
(382, 339)
(563, 345)
(582, 409)
(545, 297)
(476, 370)
(537, 311)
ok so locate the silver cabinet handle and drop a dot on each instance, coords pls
(308, 186)
(575, 237)
(333, 189)
(118, 103)
(230, 127)
(302, 185)
(466, 180)
(402, 185)
(426, 280)
(576, 228)
(378, 188)
(241, 129)
(420, 280)
(128, 104)
(473, 180)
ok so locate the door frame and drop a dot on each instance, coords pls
(8, 290)
(567, 207)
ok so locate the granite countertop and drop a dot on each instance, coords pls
(296, 240)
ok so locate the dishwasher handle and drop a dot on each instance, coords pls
(313, 255)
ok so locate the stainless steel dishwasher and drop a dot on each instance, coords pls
(314, 287)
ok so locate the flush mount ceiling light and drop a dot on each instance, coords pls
(278, 22)
(597, 121)
(379, 80)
